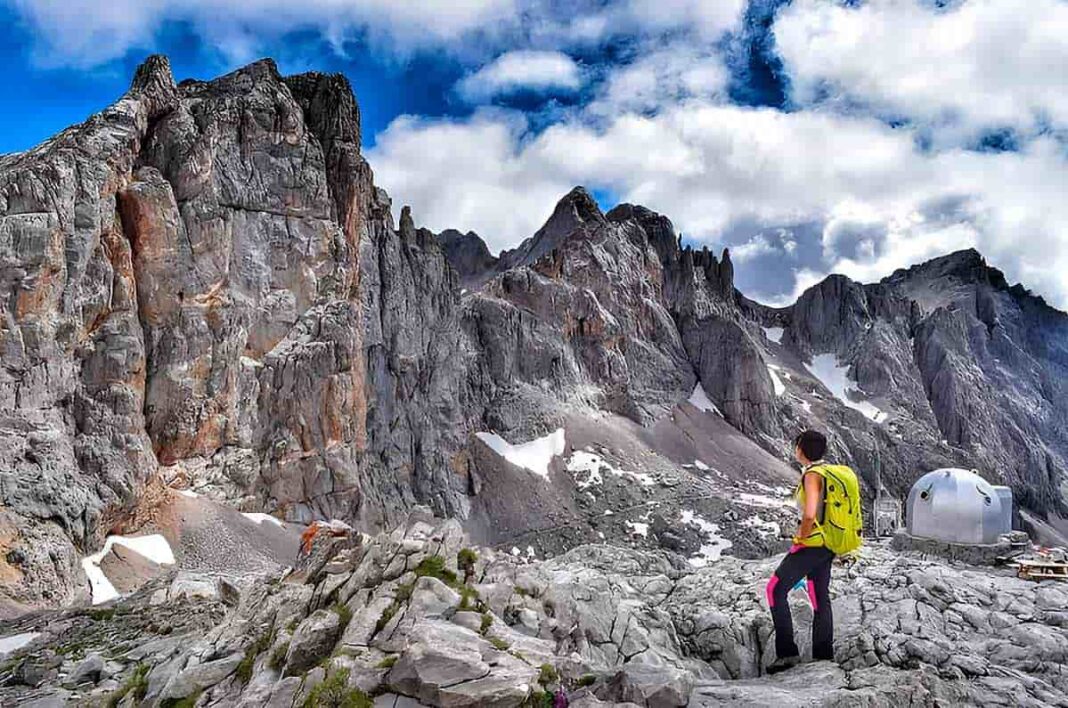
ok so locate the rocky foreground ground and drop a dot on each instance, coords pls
(415, 617)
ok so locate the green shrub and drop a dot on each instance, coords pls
(278, 656)
(387, 615)
(136, 685)
(547, 675)
(187, 702)
(465, 561)
(499, 644)
(344, 613)
(388, 662)
(469, 598)
(334, 692)
(434, 567)
(403, 593)
(244, 669)
(487, 622)
(586, 680)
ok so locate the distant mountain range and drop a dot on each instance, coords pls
(203, 286)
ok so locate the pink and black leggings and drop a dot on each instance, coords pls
(815, 565)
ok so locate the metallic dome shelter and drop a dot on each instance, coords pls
(958, 506)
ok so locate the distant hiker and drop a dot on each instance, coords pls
(828, 497)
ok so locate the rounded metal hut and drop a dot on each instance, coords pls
(958, 506)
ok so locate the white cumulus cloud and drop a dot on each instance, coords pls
(522, 69)
(972, 66)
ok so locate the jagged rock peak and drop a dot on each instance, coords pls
(329, 102)
(154, 73)
(577, 210)
(967, 265)
(154, 82)
(579, 205)
(407, 223)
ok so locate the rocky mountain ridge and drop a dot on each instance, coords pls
(204, 287)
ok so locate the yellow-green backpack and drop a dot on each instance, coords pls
(843, 521)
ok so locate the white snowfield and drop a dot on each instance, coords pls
(714, 545)
(763, 500)
(762, 527)
(16, 642)
(833, 375)
(154, 547)
(534, 456)
(774, 334)
(588, 468)
(260, 518)
(638, 528)
(780, 387)
(699, 399)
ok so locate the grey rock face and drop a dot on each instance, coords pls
(469, 256)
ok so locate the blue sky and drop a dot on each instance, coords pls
(810, 136)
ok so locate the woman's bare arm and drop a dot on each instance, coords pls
(813, 487)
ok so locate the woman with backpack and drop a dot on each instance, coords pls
(828, 497)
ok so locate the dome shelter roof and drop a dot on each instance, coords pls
(958, 506)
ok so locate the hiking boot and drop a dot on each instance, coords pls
(783, 664)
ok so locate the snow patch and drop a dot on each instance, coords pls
(834, 376)
(638, 528)
(249, 361)
(588, 469)
(774, 334)
(776, 382)
(261, 518)
(701, 466)
(713, 547)
(699, 399)
(16, 642)
(764, 528)
(762, 500)
(154, 547)
(188, 493)
(533, 456)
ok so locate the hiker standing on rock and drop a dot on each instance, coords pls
(828, 497)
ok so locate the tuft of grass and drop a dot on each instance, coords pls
(499, 644)
(262, 643)
(388, 662)
(538, 699)
(547, 675)
(403, 593)
(136, 685)
(99, 614)
(586, 680)
(343, 612)
(487, 622)
(188, 702)
(333, 692)
(469, 598)
(434, 567)
(466, 559)
(278, 656)
(386, 616)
